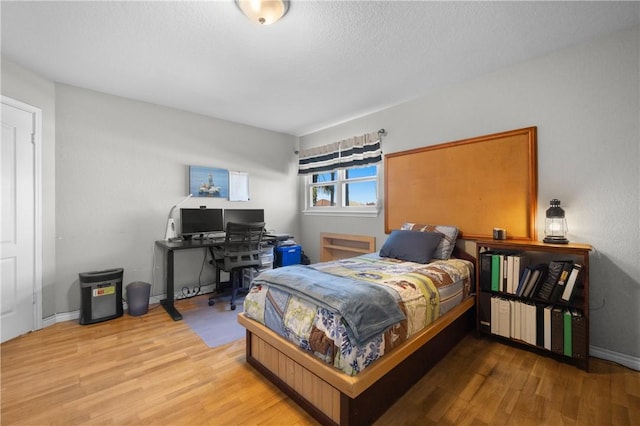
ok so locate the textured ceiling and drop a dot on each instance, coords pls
(324, 63)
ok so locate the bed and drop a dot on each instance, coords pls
(346, 368)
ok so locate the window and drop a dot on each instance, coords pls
(343, 191)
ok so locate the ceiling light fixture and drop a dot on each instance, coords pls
(264, 12)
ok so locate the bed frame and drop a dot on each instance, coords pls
(334, 398)
(329, 395)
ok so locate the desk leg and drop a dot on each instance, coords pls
(168, 302)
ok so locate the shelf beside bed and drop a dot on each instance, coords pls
(341, 246)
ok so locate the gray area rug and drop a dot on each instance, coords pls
(217, 324)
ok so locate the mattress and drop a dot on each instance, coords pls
(423, 293)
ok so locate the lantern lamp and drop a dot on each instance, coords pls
(555, 225)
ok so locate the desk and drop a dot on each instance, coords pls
(171, 246)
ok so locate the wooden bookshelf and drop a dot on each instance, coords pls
(539, 252)
(342, 246)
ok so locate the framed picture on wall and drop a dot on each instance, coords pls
(208, 182)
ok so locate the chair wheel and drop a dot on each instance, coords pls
(212, 302)
(233, 307)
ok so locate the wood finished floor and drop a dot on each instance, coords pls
(151, 370)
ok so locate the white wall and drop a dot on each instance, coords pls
(122, 164)
(584, 101)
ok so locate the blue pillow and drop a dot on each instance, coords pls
(412, 246)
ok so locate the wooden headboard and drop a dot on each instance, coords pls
(475, 184)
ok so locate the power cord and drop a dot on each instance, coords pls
(187, 293)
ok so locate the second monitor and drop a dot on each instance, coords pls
(243, 215)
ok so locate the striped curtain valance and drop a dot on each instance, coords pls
(352, 152)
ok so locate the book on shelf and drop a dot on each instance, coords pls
(503, 272)
(500, 316)
(558, 289)
(526, 274)
(569, 288)
(496, 269)
(547, 327)
(554, 270)
(495, 308)
(504, 317)
(538, 273)
(514, 319)
(485, 270)
(530, 323)
(516, 267)
(540, 310)
(568, 337)
(508, 274)
(484, 311)
(579, 335)
(557, 330)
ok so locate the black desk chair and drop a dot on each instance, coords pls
(241, 249)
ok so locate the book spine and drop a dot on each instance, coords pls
(579, 336)
(568, 338)
(484, 306)
(558, 289)
(495, 302)
(504, 317)
(540, 326)
(503, 273)
(557, 330)
(495, 272)
(546, 289)
(509, 274)
(572, 281)
(526, 274)
(485, 271)
(547, 327)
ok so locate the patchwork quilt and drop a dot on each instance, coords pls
(351, 312)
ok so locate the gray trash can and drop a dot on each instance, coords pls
(138, 293)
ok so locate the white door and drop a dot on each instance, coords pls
(19, 269)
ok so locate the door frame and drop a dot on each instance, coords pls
(36, 113)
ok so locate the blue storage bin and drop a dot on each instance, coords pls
(288, 255)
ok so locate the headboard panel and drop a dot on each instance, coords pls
(476, 184)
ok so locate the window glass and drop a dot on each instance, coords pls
(345, 191)
(358, 194)
(324, 177)
(323, 195)
(370, 171)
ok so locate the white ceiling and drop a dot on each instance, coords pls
(324, 63)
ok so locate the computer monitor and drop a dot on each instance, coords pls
(201, 222)
(243, 216)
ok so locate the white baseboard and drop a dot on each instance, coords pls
(75, 315)
(622, 359)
